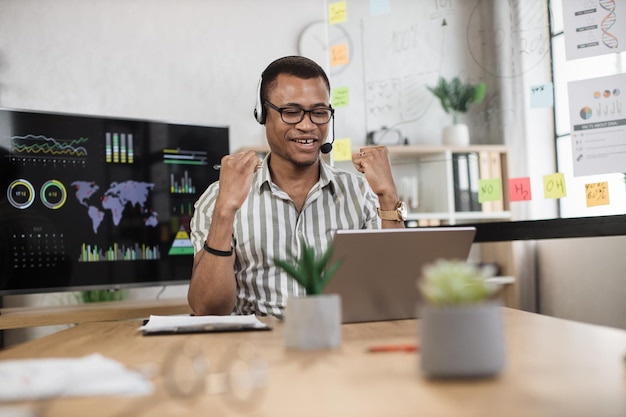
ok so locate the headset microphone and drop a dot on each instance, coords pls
(328, 146)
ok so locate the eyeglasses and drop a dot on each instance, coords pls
(293, 115)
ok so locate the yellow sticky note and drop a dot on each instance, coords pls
(489, 190)
(597, 194)
(342, 149)
(339, 54)
(554, 186)
(337, 12)
(340, 97)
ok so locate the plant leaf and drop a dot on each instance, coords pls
(479, 93)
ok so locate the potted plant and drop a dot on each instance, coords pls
(313, 321)
(456, 96)
(461, 328)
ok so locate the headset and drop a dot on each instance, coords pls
(259, 109)
(261, 117)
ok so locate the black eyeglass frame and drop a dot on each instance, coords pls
(304, 112)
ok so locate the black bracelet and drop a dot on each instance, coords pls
(217, 252)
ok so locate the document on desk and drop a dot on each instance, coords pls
(159, 325)
(87, 376)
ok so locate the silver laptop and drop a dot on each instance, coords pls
(378, 277)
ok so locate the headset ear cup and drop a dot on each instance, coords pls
(259, 114)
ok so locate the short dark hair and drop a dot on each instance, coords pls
(298, 66)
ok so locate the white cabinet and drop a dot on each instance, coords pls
(443, 196)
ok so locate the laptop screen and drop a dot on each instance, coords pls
(377, 279)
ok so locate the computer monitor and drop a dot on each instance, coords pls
(91, 202)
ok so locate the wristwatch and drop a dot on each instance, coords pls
(398, 215)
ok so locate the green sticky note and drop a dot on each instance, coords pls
(490, 190)
(341, 97)
(554, 185)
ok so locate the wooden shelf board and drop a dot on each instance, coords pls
(19, 317)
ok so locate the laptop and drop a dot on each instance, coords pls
(377, 279)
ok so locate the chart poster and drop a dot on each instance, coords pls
(594, 27)
(598, 125)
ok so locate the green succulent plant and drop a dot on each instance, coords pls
(309, 270)
(452, 282)
(456, 96)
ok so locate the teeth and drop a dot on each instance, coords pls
(305, 142)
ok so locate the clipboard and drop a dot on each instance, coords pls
(169, 325)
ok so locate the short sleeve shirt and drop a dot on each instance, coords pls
(269, 226)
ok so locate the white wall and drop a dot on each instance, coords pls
(193, 61)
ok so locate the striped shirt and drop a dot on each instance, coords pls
(269, 226)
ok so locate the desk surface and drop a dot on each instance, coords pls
(554, 368)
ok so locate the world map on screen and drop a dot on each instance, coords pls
(114, 200)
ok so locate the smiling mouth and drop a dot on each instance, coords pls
(305, 141)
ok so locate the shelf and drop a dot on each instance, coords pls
(461, 215)
(18, 317)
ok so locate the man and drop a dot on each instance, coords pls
(258, 212)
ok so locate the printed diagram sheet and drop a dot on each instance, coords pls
(598, 125)
(594, 27)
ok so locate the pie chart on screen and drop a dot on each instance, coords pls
(585, 113)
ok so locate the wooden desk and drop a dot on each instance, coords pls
(555, 368)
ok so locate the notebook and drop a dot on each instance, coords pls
(378, 277)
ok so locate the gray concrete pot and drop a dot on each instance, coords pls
(313, 322)
(462, 341)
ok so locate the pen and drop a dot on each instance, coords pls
(393, 348)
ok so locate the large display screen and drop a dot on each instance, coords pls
(93, 202)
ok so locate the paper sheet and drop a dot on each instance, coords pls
(92, 375)
(186, 324)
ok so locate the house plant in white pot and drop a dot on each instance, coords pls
(312, 321)
(455, 97)
(461, 331)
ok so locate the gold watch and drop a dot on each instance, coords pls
(398, 214)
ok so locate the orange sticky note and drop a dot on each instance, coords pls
(339, 54)
(342, 149)
(489, 190)
(554, 186)
(337, 12)
(597, 194)
(519, 189)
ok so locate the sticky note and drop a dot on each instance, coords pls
(490, 190)
(519, 189)
(340, 97)
(597, 194)
(541, 96)
(337, 12)
(339, 54)
(379, 7)
(342, 149)
(554, 185)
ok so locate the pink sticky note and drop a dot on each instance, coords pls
(519, 189)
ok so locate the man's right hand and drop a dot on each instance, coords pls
(236, 179)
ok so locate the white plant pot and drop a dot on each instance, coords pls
(462, 341)
(456, 135)
(313, 322)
